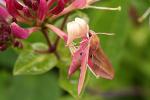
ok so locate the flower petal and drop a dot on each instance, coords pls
(4, 14)
(19, 32)
(10, 5)
(59, 32)
(18, 5)
(77, 29)
(60, 6)
(42, 11)
(73, 30)
(79, 3)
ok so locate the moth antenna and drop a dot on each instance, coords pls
(105, 8)
(106, 33)
(145, 15)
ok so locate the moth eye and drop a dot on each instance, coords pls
(90, 34)
(81, 54)
(90, 56)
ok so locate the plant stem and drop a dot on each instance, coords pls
(46, 37)
(51, 47)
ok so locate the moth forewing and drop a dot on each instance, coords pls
(102, 65)
(83, 68)
(98, 61)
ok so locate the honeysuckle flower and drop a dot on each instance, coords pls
(77, 29)
(35, 10)
(42, 11)
(20, 32)
(4, 14)
(88, 54)
(82, 4)
(60, 6)
(10, 31)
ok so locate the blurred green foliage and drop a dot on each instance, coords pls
(128, 50)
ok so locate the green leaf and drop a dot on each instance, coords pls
(70, 85)
(29, 87)
(30, 62)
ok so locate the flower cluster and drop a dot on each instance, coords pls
(24, 11)
(37, 10)
(10, 32)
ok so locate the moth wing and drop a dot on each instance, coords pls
(100, 65)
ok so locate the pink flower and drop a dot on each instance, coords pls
(42, 11)
(77, 29)
(60, 6)
(82, 4)
(88, 54)
(10, 31)
(20, 32)
(4, 14)
(36, 10)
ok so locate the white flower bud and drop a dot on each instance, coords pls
(77, 29)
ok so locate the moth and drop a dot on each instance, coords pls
(88, 54)
(91, 55)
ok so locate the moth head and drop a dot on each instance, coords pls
(94, 41)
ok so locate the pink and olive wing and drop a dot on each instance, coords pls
(77, 58)
(100, 65)
(84, 62)
(76, 62)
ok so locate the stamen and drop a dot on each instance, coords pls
(106, 33)
(145, 15)
(105, 8)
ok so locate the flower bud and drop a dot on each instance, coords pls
(3, 47)
(60, 6)
(82, 3)
(42, 9)
(77, 29)
(11, 8)
(4, 14)
(79, 3)
(26, 11)
(19, 32)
